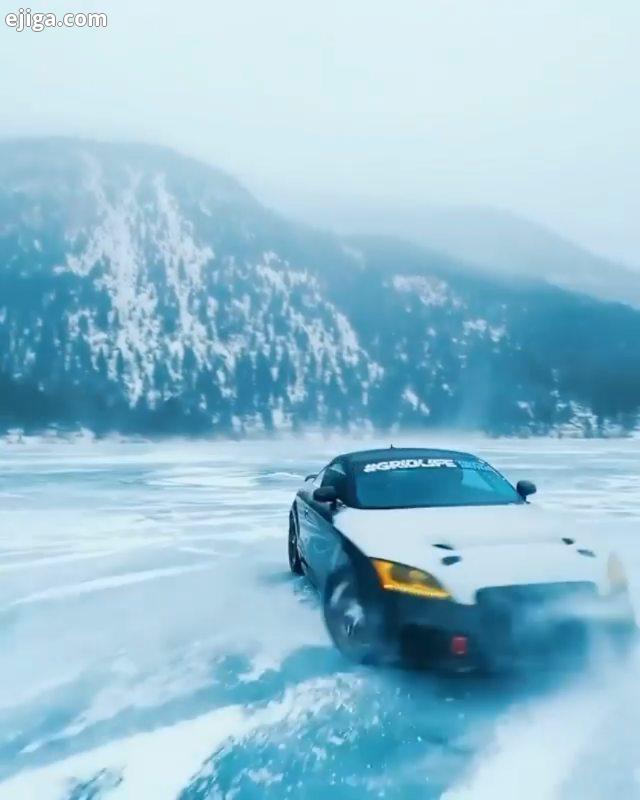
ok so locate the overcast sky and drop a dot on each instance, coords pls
(528, 105)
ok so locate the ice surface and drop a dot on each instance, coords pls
(154, 646)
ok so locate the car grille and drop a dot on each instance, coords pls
(534, 616)
(534, 594)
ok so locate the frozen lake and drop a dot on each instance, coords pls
(154, 646)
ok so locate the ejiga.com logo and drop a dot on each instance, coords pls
(25, 19)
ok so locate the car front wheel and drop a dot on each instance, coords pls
(355, 626)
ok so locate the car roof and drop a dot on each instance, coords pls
(380, 454)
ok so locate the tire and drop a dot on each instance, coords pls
(295, 564)
(356, 627)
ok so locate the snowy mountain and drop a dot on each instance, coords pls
(141, 291)
(504, 243)
(490, 240)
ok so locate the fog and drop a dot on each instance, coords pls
(322, 108)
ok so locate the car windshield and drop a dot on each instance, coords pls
(422, 482)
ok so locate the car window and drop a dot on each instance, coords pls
(336, 476)
(317, 481)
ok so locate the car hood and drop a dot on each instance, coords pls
(497, 545)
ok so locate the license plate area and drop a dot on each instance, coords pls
(534, 618)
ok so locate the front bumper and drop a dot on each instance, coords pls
(508, 627)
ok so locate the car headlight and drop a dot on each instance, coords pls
(617, 576)
(400, 578)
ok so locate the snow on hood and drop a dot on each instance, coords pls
(499, 545)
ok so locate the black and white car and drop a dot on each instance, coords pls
(432, 557)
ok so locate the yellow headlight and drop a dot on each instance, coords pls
(400, 578)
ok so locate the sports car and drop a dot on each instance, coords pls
(432, 557)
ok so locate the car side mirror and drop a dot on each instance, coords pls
(526, 488)
(325, 494)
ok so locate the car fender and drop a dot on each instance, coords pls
(349, 556)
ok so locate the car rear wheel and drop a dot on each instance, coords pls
(295, 564)
(355, 627)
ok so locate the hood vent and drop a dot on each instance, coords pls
(566, 540)
(449, 560)
(444, 546)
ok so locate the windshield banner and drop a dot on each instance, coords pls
(425, 463)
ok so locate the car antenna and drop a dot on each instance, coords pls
(391, 447)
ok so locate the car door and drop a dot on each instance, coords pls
(323, 540)
(307, 522)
